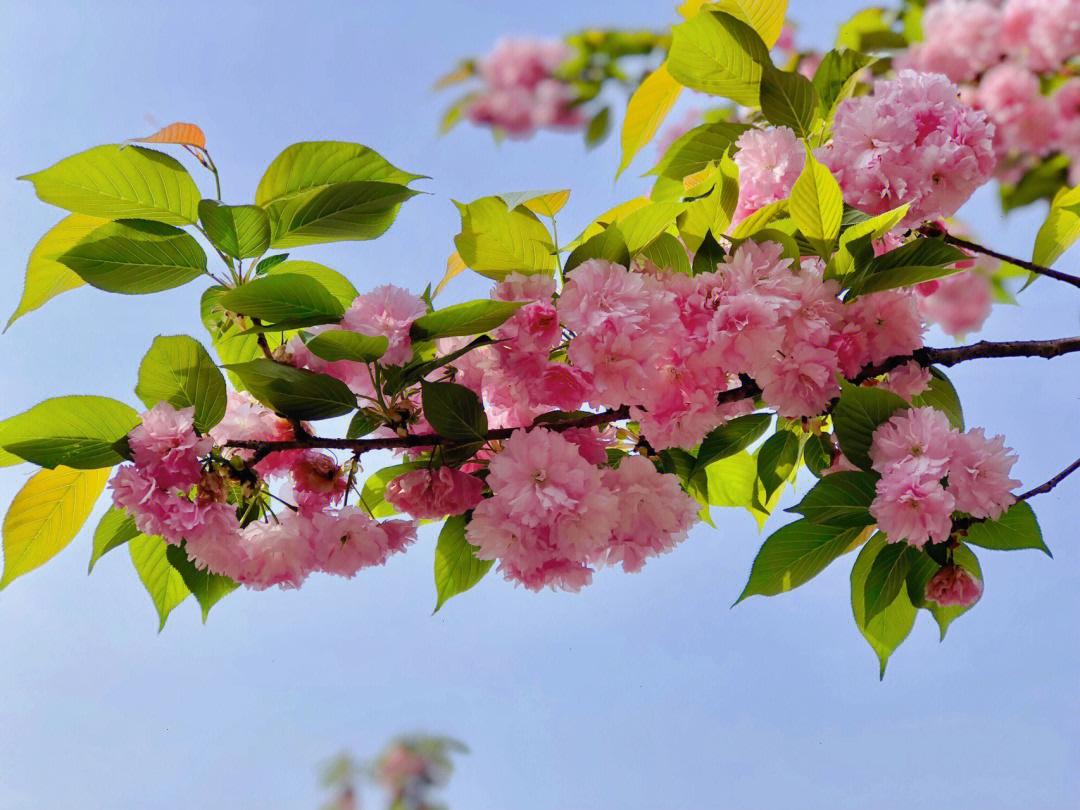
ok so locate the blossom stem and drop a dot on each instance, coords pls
(935, 232)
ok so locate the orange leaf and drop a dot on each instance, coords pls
(185, 134)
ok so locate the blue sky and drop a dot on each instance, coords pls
(644, 691)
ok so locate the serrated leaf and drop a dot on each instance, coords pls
(46, 277)
(646, 111)
(468, 318)
(776, 460)
(115, 529)
(712, 213)
(608, 245)
(354, 211)
(295, 392)
(340, 287)
(765, 16)
(835, 77)
(759, 219)
(699, 147)
(642, 226)
(453, 411)
(456, 566)
(76, 431)
(885, 578)
(858, 414)
(178, 370)
(942, 396)
(284, 298)
(207, 587)
(496, 241)
(668, 254)
(873, 228)
(732, 437)
(46, 515)
(789, 100)
(840, 499)
(718, 54)
(163, 582)
(911, 263)
(1017, 528)
(817, 205)
(793, 555)
(887, 629)
(179, 133)
(240, 231)
(341, 344)
(708, 255)
(135, 257)
(114, 182)
(544, 203)
(1060, 230)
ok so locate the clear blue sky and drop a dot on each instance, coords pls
(644, 691)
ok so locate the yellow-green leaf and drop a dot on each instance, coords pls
(646, 110)
(817, 205)
(1061, 228)
(454, 267)
(163, 582)
(496, 240)
(764, 16)
(46, 515)
(718, 54)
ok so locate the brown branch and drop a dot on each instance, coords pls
(935, 232)
(1042, 489)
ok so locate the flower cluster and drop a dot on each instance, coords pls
(521, 92)
(953, 586)
(1011, 59)
(930, 470)
(181, 488)
(910, 141)
(553, 513)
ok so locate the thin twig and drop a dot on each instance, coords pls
(935, 232)
(1053, 482)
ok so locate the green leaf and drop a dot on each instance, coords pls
(858, 414)
(872, 228)
(46, 277)
(764, 16)
(163, 582)
(840, 499)
(608, 245)
(642, 226)
(340, 287)
(116, 182)
(713, 212)
(115, 529)
(469, 318)
(923, 569)
(598, 128)
(295, 392)
(456, 566)
(178, 370)
(1061, 228)
(240, 231)
(817, 205)
(777, 459)
(269, 262)
(794, 554)
(341, 344)
(496, 241)
(76, 431)
(699, 147)
(885, 578)
(789, 100)
(718, 54)
(285, 301)
(353, 211)
(732, 437)
(1042, 182)
(46, 515)
(942, 396)
(453, 411)
(835, 77)
(135, 257)
(209, 588)
(886, 630)
(668, 254)
(646, 110)
(1017, 528)
(817, 452)
(316, 165)
(911, 263)
(708, 255)
(733, 481)
(362, 423)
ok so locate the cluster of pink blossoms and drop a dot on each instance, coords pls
(953, 586)
(554, 513)
(910, 141)
(930, 470)
(521, 92)
(1002, 54)
(175, 489)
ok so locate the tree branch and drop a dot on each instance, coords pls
(1042, 489)
(935, 232)
(984, 349)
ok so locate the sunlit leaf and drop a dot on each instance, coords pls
(646, 111)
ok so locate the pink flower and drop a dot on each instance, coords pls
(1024, 119)
(962, 40)
(953, 586)
(317, 481)
(591, 443)
(960, 303)
(387, 311)
(433, 494)
(912, 506)
(601, 297)
(769, 162)
(909, 380)
(350, 539)
(979, 474)
(891, 322)
(910, 141)
(918, 441)
(654, 514)
(522, 62)
(166, 448)
(802, 382)
(562, 386)
(1044, 33)
(277, 553)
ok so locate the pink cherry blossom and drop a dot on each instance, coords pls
(908, 380)
(349, 539)
(912, 506)
(953, 586)
(979, 474)
(916, 440)
(959, 303)
(387, 311)
(166, 448)
(433, 494)
(769, 162)
(962, 39)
